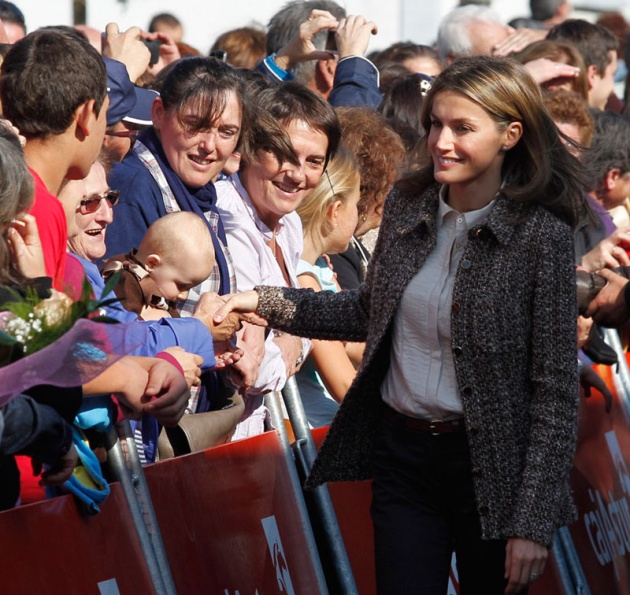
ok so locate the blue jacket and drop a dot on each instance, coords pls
(140, 204)
(355, 84)
(188, 333)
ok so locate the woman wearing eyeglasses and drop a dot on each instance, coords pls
(88, 204)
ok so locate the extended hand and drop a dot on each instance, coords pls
(608, 253)
(353, 35)
(126, 47)
(244, 303)
(300, 47)
(518, 40)
(544, 70)
(207, 307)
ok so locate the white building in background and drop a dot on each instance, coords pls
(205, 20)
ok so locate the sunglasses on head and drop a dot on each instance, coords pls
(92, 203)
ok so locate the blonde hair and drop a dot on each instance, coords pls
(340, 178)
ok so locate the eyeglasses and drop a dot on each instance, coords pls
(220, 55)
(92, 203)
(132, 135)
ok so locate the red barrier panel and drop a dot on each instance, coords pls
(229, 521)
(231, 526)
(49, 547)
(601, 487)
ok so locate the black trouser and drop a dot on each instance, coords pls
(423, 509)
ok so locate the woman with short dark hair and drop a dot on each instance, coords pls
(258, 208)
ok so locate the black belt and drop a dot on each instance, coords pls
(454, 426)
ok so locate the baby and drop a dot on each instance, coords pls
(175, 255)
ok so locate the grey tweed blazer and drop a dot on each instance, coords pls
(514, 345)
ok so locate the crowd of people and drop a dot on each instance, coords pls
(400, 230)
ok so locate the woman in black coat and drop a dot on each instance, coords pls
(464, 409)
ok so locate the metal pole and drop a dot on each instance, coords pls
(563, 567)
(343, 580)
(143, 497)
(118, 466)
(277, 418)
(621, 377)
(573, 561)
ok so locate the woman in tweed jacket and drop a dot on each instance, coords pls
(469, 447)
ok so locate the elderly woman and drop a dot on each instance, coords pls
(464, 410)
(258, 205)
(89, 206)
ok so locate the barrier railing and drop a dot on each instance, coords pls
(332, 548)
(232, 520)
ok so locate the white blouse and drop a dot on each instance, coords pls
(421, 379)
(255, 263)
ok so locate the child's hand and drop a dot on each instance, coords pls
(226, 354)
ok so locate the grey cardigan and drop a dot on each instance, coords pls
(514, 345)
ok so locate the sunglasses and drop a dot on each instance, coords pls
(220, 55)
(132, 135)
(92, 203)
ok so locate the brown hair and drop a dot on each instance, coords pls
(245, 46)
(538, 168)
(378, 151)
(46, 76)
(569, 108)
(557, 51)
(293, 101)
(203, 84)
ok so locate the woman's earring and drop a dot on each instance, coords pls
(505, 149)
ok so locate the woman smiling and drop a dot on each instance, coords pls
(258, 205)
(464, 410)
(197, 122)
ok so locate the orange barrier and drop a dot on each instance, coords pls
(231, 526)
(601, 488)
(229, 523)
(49, 547)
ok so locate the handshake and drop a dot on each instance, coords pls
(608, 307)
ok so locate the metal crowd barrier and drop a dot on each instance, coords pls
(341, 579)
